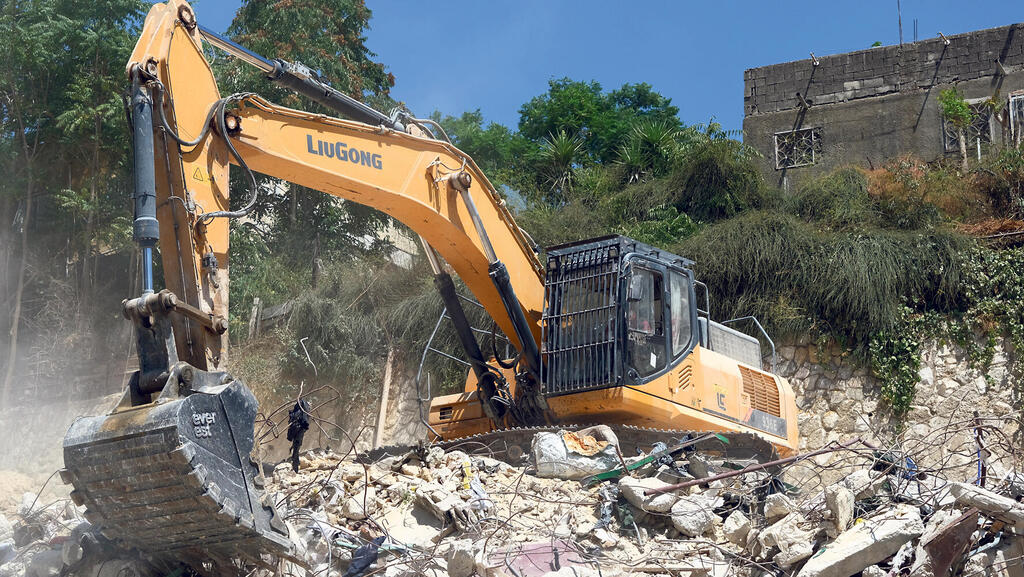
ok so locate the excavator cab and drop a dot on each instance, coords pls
(617, 312)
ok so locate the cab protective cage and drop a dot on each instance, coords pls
(583, 330)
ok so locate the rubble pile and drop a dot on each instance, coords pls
(576, 506)
(436, 512)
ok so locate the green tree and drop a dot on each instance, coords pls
(328, 36)
(504, 156)
(29, 81)
(63, 142)
(957, 112)
(561, 155)
(92, 125)
(651, 149)
(602, 120)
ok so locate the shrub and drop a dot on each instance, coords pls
(1003, 182)
(716, 179)
(798, 278)
(912, 194)
(838, 199)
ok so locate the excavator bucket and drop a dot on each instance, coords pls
(173, 478)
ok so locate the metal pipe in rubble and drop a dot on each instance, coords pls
(831, 448)
(145, 228)
(304, 81)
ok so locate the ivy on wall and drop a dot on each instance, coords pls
(993, 306)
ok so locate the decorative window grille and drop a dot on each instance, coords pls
(797, 148)
(980, 128)
(1016, 109)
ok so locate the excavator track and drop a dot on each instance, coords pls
(511, 444)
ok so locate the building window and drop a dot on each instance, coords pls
(1016, 108)
(797, 148)
(980, 128)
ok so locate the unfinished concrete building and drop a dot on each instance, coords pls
(809, 116)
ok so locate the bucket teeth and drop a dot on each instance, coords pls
(77, 498)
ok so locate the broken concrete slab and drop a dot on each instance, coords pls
(692, 515)
(736, 528)
(794, 537)
(991, 504)
(1002, 560)
(555, 457)
(865, 483)
(637, 492)
(777, 506)
(46, 563)
(360, 505)
(866, 544)
(839, 500)
(461, 559)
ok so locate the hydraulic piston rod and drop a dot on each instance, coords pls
(145, 228)
(304, 81)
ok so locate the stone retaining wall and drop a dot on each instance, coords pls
(839, 400)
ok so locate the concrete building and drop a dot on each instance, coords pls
(809, 116)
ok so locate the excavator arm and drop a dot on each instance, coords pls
(169, 471)
(427, 184)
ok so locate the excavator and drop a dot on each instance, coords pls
(605, 331)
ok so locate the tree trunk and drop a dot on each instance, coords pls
(29, 152)
(963, 149)
(316, 261)
(12, 352)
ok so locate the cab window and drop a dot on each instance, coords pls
(645, 321)
(682, 322)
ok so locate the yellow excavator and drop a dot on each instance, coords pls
(606, 331)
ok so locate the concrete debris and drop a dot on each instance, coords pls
(793, 537)
(461, 559)
(777, 506)
(692, 515)
(47, 563)
(865, 483)
(565, 455)
(635, 491)
(840, 502)
(867, 543)
(441, 513)
(1001, 560)
(996, 506)
(736, 528)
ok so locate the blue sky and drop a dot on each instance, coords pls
(457, 55)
